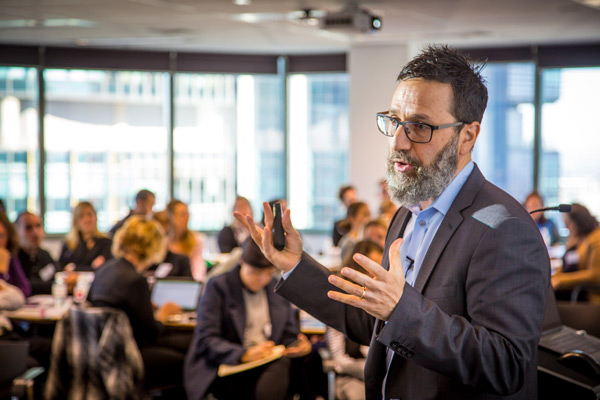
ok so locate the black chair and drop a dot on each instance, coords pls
(16, 380)
(580, 315)
(581, 291)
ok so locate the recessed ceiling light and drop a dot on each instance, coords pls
(242, 2)
(589, 3)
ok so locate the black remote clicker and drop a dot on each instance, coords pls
(278, 235)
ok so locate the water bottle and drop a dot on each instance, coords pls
(59, 290)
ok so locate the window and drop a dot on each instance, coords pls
(318, 137)
(570, 166)
(19, 154)
(504, 148)
(105, 139)
(224, 121)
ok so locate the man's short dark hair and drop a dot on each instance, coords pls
(343, 191)
(21, 215)
(442, 64)
(143, 195)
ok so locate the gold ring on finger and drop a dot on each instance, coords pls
(364, 290)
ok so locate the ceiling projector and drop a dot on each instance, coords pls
(353, 19)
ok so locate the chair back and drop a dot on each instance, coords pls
(95, 356)
(13, 354)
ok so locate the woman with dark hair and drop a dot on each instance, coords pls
(534, 201)
(85, 246)
(10, 267)
(581, 263)
(357, 215)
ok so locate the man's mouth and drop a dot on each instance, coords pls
(401, 166)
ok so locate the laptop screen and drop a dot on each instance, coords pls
(184, 293)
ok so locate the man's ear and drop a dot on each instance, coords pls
(468, 136)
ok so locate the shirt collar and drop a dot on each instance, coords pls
(443, 202)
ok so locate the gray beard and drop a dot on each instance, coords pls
(425, 182)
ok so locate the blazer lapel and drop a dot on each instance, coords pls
(449, 225)
(236, 305)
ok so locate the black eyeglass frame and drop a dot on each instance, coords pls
(383, 114)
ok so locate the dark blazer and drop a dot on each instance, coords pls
(220, 326)
(82, 256)
(470, 326)
(32, 264)
(117, 284)
(180, 265)
(226, 240)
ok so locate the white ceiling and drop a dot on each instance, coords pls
(216, 25)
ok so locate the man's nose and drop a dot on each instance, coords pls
(400, 141)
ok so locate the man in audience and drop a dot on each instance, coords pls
(241, 319)
(37, 263)
(455, 309)
(375, 230)
(234, 235)
(144, 203)
(347, 195)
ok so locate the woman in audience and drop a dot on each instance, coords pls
(119, 283)
(358, 214)
(10, 267)
(173, 264)
(184, 241)
(583, 252)
(85, 248)
(234, 235)
(547, 228)
(349, 357)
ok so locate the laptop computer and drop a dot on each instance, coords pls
(564, 340)
(185, 293)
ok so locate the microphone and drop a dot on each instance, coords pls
(563, 208)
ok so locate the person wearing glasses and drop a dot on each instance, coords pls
(455, 309)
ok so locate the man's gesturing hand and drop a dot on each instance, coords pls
(377, 294)
(285, 259)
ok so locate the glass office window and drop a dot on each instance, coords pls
(570, 166)
(318, 130)
(228, 140)
(105, 139)
(504, 148)
(19, 156)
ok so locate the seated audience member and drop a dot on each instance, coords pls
(358, 214)
(144, 202)
(84, 245)
(11, 298)
(547, 228)
(387, 210)
(37, 263)
(184, 241)
(582, 260)
(347, 195)
(349, 357)
(234, 235)
(10, 267)
(119, 284)
(173, 264)
(375, 230)
(240, 319)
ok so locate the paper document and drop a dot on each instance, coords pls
(225, 369)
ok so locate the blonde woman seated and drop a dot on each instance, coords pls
(182, 240)
(85, 246)
(349, 357)
(119, 284)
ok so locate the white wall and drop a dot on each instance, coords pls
(373, 71)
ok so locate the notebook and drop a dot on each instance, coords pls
(184, 293)
(562, 339)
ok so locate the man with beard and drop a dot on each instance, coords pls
(456, 308)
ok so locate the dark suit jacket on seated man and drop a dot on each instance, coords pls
(240, 319)
(456, 308)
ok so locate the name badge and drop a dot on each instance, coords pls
(163, 270)
(47, 272)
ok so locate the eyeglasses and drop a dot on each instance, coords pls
(416, 132)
